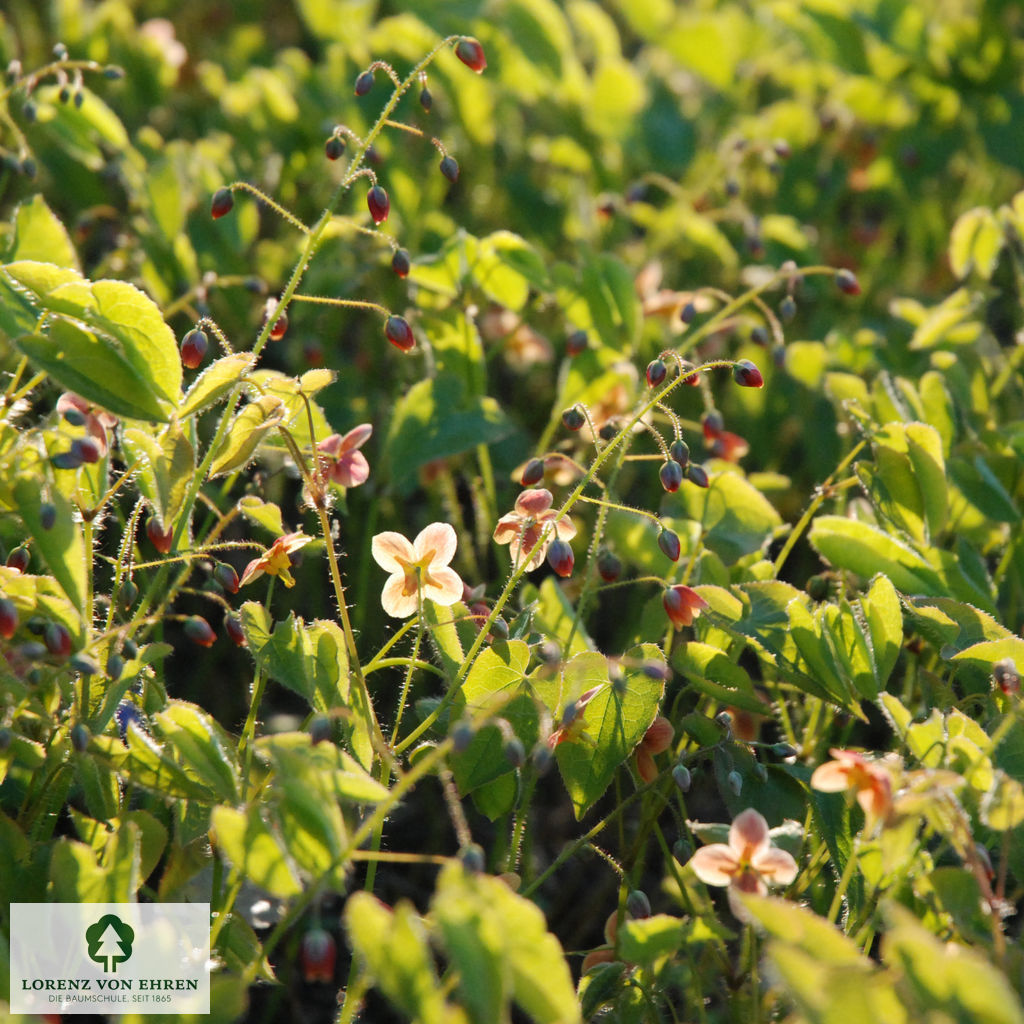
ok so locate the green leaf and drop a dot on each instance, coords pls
(1003, 806)
(974, 243)
(40, 235)
(650, 939)
(394, 948)
(145, 764)
(554, 615)
(884, 620)
(247, 842)
(437, 419)
(247, 429)
(985, 654)
(215, 382)
(164, 465)
(735, 517)
(89, 364)
(710, 671)
(924, 446)
(62, 546)
(445, 636)
(867, 550)
(499, 944)
(202, 746)
(263, 513)
(616, 719)
(798, 926)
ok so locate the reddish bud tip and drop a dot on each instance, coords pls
(226, 576)
(847, 283)
(471, 53)
(671, 474)
(18, 559)
(399, 333)
(193, 348)
(573, 419)
(233, 628)
(609, 566)
(364, 83)
(378, 204)
(690, 380)
(8, 618)
(712, 424)
(57, 639)
(682, 605)
(560, 557)
(657, 371)
(576, 343)
(86, 449)
(400, 263)
(159, 538)
(334, 147)
(668, 541)
(533, 473)
(317, 954)
(199, 631)
(222, 203)
(450, 169)
(747, 375)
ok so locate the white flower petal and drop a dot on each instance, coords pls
(388, 547)
(440, 538)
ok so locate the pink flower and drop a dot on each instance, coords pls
(531, 519)
(682, 605)
(749, 863)
(275, 561)
(96, 420)
(657, 739)
(870, 781)
(420, 567)
(344, 464)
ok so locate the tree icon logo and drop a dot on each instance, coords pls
(110, 942)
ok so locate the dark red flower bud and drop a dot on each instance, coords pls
(712, 425)
(47, 515)
(747, 375)
(687, 313)
(8, 618)
(1006, 676)
(697, 475)
(57, 639)
(364, 83)
(609, 566)
(638, 906)
(129, 591)
(18, 559)
(320, 729)
(450, 168)
(193, 348)
(679, 450)
(158, 537)
(222, 203)
(378, 204)
(657, 371)
(399, 333)
(462, 735)
(317, 953)
(668, 541)
(80, 737)
(226, 576)
(426, 99)
(471, 53)
(87, 449)
(472, 858)
(690, 380)
(400, 263)
(514, 751)
(671, 474)
(279, 328)
(682, 605)
(560, 557)
(577, 342)
(573, 419)
(847, 283)
(334, 147)
(198, 630)
(233, 628)
(533, 473)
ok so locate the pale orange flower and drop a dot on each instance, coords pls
(871, 782)
(275, 560)
(749, 863)
(419, 567)
(532, 518)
